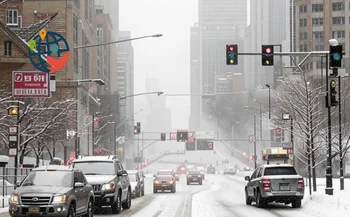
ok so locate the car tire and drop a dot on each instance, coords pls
(127, 203)
(71, 211)
(90, 209)
(248, 200)
(296, 203)
(117, 206)
(200, 183)
(143, 191)
(260, 202)
(173, 190)
(155, 190)
(188, 183)
(138, 193)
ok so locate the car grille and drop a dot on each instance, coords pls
(39, 201)
(96, 187)
(163, 182)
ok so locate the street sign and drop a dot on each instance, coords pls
(12, 152)
(287, 145)
(96, 123)
(30, 84)
(172, 136)
(13, 130)
(278, 132)
(252, 138)
(70, 133)
(191, 137)
(13, 138)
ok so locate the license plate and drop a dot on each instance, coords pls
(284, 187)
(194, 179)
(34, 210)
(164, 185)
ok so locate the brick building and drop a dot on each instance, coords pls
(21, 20)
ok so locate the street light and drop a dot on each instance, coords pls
(268, 86)
(139, 94)
(120, 41)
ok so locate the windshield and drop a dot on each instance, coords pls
(49, 178)
(275, 171)
(132, 177)
(95, 168)
(164, 178)
(164, 173)
(195, 172)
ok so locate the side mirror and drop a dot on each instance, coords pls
(247, 178)
(18, 183)
(78, 185)
(154, 175)
(122, 173)
(144, 176)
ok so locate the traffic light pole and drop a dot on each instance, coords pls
(255, 157)
(329, 181)
(340, 139)
(18, 143)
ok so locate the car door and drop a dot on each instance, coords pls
(85, 191)
(256, 180)
(122, 180)
(250, 184)
(78, 193)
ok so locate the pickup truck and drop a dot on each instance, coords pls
(274, 183)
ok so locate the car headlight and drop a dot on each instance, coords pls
(108, 186)
(59, 199)
(171, 182)
(14, 198)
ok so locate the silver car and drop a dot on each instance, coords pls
(274, 183)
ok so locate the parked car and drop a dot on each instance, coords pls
(229, 171)
(135, 183)
(211, 169)
(52, 191)
(194, 176)
(109, 180)
(164, 183)
(274, 183)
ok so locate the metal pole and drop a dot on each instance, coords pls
(261, 127)
(18, 143)
(115, 138)
(269, 102)
(92, 135)
(76, 145)
(329, 176)
(255, 157)
(54, 149)
(292, 139)
(340, 139)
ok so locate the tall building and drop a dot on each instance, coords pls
(219, 23)
(268, 25)
(195, 88)
(125, 68)
(316, 23)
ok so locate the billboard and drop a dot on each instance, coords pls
(30, 84)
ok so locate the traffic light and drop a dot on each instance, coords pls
(190, 146)
(13, 110)
(138, 127)
(335, 56)
(267, 55)
(333, 93)
(205, 145)
(231, 54)
(182, 136)
(162, 136)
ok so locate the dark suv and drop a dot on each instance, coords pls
(109, 180)
(52, 191)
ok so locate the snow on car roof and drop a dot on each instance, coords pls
(277, 165)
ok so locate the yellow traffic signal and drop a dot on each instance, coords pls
(13, 110)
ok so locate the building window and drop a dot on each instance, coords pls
(302, 22)
(338, 20)
(86, 60)
(338, 6)
(88, 10)
(317, 7)
(12, 17)
(303, 36)
(302, 9)
(303, 48)
(75, 29)
(8, 48)
(338, 34)
(99, 33)
(317, 21)
(319, 47)
(317, 35)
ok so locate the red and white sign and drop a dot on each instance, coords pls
(173, 136)
(30, 84)
(190, 137)
(278, 132)
(210, 145)
(252, 138)
(96, 123)
(43, 15)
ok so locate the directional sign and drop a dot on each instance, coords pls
(172, 136)
(252, 138)
(12, 152)
(30, 84)
(13, 130)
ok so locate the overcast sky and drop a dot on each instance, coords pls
(166, 58)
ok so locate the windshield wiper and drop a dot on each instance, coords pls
(92, 174)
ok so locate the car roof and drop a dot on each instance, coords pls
(54, 167)
(107, 158)
(276, 165)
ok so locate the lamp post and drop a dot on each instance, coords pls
(268, 86)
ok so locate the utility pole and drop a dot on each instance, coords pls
(115, 138)
(340, 139)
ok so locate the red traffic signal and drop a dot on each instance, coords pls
(267, 55)
(232, 54)
(232, 48)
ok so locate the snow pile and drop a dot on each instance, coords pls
(329, 205)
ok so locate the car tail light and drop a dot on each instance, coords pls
(199, 176)
(156, 182)
(301, 184)
(190, 176)
(267, 184)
